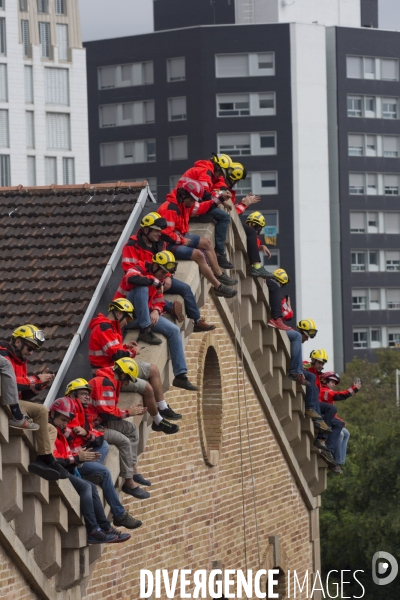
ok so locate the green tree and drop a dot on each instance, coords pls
(360, 512)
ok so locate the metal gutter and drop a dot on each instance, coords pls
(101, 286)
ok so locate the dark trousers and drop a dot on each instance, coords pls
(91, 507)
(252, 246)
(333, 438)
(326, 410)
(222, 220)
(275, 298)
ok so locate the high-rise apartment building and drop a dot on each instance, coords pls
(43, 99)
(305, 94)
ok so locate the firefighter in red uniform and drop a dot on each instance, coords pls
(146, 244)
(106, 346)
(181, 204)
(99, 529)
(24, 341)
(143, 284)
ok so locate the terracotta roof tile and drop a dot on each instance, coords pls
(55, 243)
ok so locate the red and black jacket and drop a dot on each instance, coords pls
(135, 251)
(93, 438)
(203, 172)
(105, 396)
(63, 453)
(28, 385)
(105, 342)
(140, 274)
(332, 396)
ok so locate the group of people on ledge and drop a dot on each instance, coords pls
(74, 435)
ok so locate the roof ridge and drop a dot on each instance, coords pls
(85, 188)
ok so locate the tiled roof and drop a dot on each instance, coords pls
(55, 243)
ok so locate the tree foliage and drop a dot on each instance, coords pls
(360, 512)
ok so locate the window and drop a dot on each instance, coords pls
(173, 181)
(374, 299)
(244, 186)
(357, 222)
(126, 75)
(31, 170)
(58, 131)
(57, 86)
(269, 183)
(150, 150)
(3, 83)
(389, 108)
(356, 145)
(370, 107)
(2, 4)
(354, 67)
(245, 65)
(370, 145)
(390, 146)
(389, 69)
(372, 222)
(108, 116)
(131, 113)
(62, 41)
(360, 338)
(50, 170)
(28, 75)
(234, 144)
(391, 184)
(177, 109)
(358, 261)
(393, 299)
(123, 153)
(393, 260)
(233, 105)
(354, 106)
(3, 45)
(61, 8)
(371, 183)
(178, 148)
(26, 46)
(4, 132)
(359, 299)
(394, 337)
(23, 5)
(44, 39)
(152, 183)
(392, 222)
(373, 260)
(368, 67)
(68, 171)
(274, 261)
(30, 129)
(5, 179)
(375, 338)
(176, 69)
(356, 183)
(42, 6)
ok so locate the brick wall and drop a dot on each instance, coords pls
(12, 585)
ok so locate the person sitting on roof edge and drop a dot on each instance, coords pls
(142, 247)
(106, 346)
(279, 278)
(252, 228)
(24, 341)
(91, 448)
(233, 175)
(143, 285)
(180, 205)
(99, 529)
(207, 172)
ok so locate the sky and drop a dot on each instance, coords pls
(102, 19)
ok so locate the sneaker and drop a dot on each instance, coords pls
(127, 521)
(168, 413)
(223, 262)
(140, 479)
(165, 427)
(320, 444)
(177, 311)
(321, 425)
(121, 537)
(183, 382)
(310, 412)
(136, 492)
(299, 377)
(148, 337)
(278, 324)
(63, 473)
(95, 478)
(202, 325)
(226, 280)
(98, 536)
(39, 467)
(260, 272)
(24, 423)
(337, 470)
(224, 291)
(328, 457)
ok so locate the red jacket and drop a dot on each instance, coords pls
(177, 216)
(80, 420)
(140, 275)
(62, 452)
(203, 171)
(309, 367)
(105, 342)
(105, 396)
(287, 312)
(28, 385)
(135, 250)
(332, 396)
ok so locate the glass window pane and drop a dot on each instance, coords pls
(356, 183)
(357, 222)
(392, 222)
(356, 144)
(354, 67)
(176, 69)
(389, 69)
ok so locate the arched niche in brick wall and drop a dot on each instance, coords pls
(210, 400)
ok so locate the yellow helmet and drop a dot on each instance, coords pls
(166, 260)
(77, 384)
(308, 326)
(281, 276)
(127, 366)
(30, 333)
(153, 220)
(237, 172)
(222, 160)
(256, 218)
(123, 305)
(320, 354)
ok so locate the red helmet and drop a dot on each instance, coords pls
(330, 376)
(63, 406)
(192, 187)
